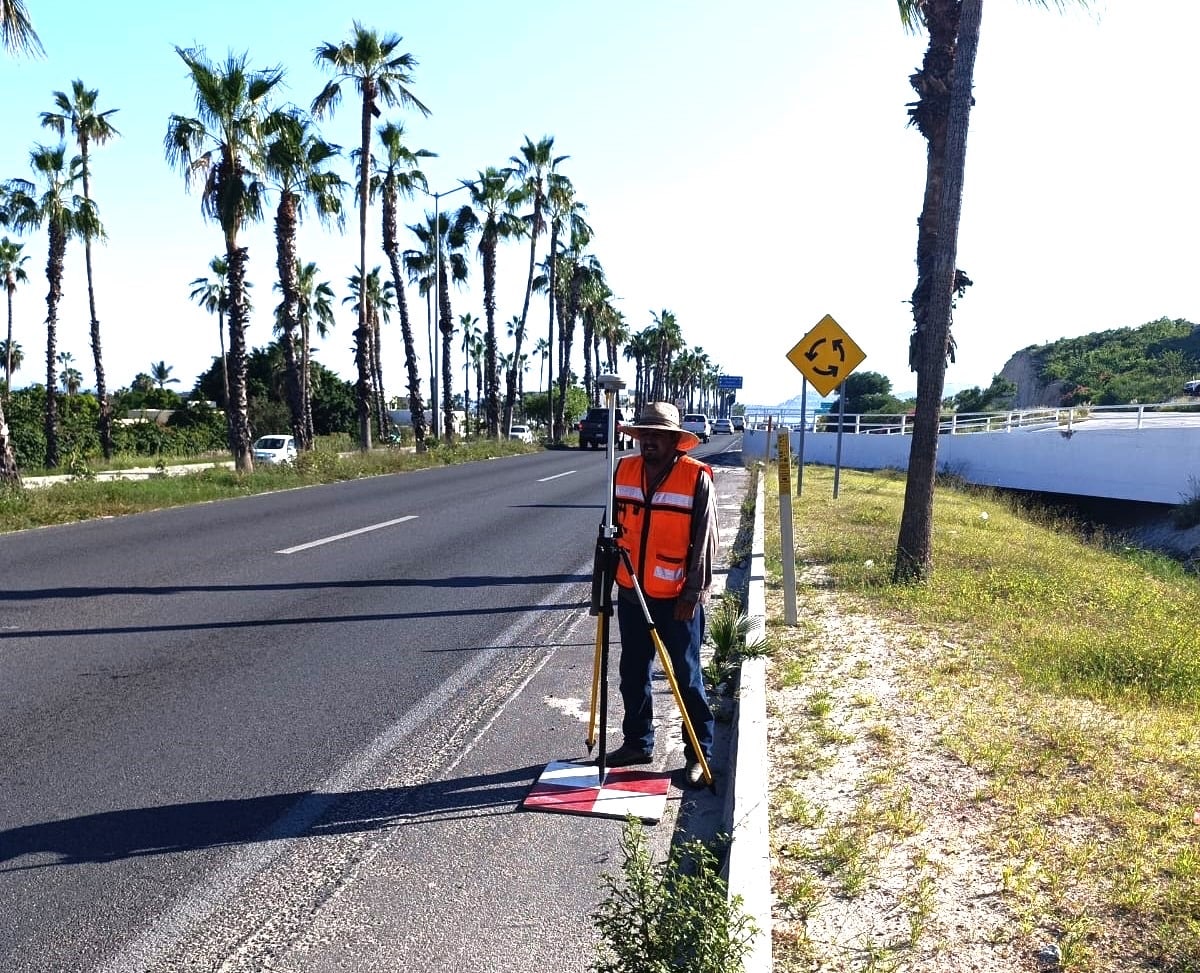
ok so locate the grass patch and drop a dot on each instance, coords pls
(84, 497)
(1065, 674)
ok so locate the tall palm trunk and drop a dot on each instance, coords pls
(10, 287)
(286, 265)
(945, 70)
(54, 275)
(363, 391)
(510, 392)
(240, 437)
(447, 329)
(567, 329)
(104, 420)
(589, 385)
(492, 385)
(306, 393)
(224, 355)
(385, 420)
(391, 247)
(556, 434)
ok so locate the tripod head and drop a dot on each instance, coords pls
(607, 553)
(610, 385)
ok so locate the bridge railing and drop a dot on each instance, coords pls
(959, 423)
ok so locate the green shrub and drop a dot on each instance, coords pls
(669, 916)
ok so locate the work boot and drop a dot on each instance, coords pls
(693, 773)
(625, 755)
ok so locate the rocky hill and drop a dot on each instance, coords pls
(1149, 363)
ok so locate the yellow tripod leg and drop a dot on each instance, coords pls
(591, 737)
(687, 723)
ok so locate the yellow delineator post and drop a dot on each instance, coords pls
(787, 544)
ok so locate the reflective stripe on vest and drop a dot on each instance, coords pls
(657, 535)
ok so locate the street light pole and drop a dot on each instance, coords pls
(437, 294)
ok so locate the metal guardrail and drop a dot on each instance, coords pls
(1135, 415)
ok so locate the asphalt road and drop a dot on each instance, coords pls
(216, 721)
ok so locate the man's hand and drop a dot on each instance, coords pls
(685, 609)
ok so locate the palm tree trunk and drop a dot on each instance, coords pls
(8, 349)
(551, 413)
(509, 389)
(950, 27)
(363, 335)
(54, 272)
(10, 476)
(224, 356)
(385, 420)
(306, 387)
(492, 385)
(104, 419)
(447, 329)
(240, 437)
(286, 265)
(391, 246)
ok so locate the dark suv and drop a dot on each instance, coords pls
(593, 430)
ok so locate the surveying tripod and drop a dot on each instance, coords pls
(609, 553)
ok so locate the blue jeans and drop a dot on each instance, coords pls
(682, 641)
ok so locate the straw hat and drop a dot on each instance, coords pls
(661, 417)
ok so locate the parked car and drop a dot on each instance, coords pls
(1191, 388)
(697, 422)
(523, 433)
(275, 449)
(722, 426)
(739, 423)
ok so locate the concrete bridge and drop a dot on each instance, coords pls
(1147, 453)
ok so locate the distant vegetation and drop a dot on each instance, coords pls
(1146, 364)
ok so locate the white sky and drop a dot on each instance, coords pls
(745, 166)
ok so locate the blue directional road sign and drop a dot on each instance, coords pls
(729, 381)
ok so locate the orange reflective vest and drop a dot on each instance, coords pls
(657, 532)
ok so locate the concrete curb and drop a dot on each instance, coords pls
(750, 847)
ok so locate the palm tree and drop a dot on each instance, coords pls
(453, 266)
(213, 295)
(496, 199)
(221, 148)
(454, 258)
(418, 265)
(542, 349)
(314, 308)
(398, 175)
(12, 269)
(668, 340)
(160, 374)
(70, 378)
(471, 339)
(380, 75)
(13, 356)
(533, 168)
(77, 112)
(377, 309)
(613, 331)
(294, 164)
(941, 114)
(565, 215)
(65, 215)
(594, 293)
(16, 29)
(641, 350)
